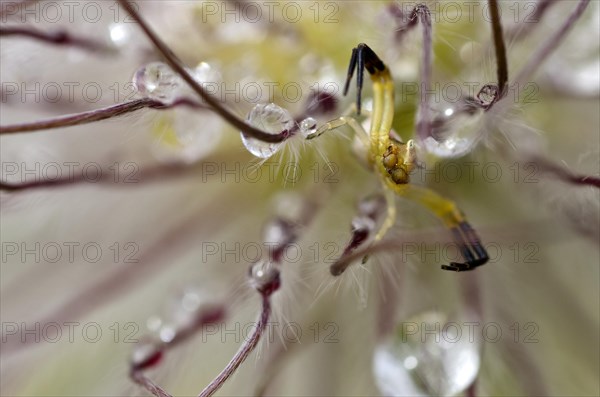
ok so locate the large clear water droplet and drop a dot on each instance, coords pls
(456, 128)
(271, 119)
(157, 81)
(428, 355)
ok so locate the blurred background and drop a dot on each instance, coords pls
(130, 225)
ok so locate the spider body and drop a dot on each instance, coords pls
(394, 160)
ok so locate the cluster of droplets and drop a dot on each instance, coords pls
(190, 311)
(427, 356)
(279, 233)
(158, 81)
(275, 120)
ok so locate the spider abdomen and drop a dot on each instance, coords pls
(398, 163)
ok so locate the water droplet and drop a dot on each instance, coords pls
(370, 211)
(308, 127)
(428, 355)
(271, 119)
(456, 129)
(264, 276)
(157, 81)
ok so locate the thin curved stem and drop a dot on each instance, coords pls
(96, 115)
(525, 28)
(178, 66)
(499, 45)
(244, 351)
(565, 174)
(552, 43)
(424, 124)
(142, 380)
(205, 318)
(59, 37)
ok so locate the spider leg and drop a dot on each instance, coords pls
(363, 57)
(463, 234)
(340, 122)
(351, 68)
(390, 218)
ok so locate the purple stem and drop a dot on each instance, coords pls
(524, 28)
(552, 43)
(501, 62)
(244, 351)
(148, 174)
(564, 174)
(423, 125)
(96, 115)
(59, 37)
(139, 378)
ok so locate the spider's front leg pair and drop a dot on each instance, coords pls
(394, 160)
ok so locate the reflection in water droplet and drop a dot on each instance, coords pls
(428, 355)
(269, 118)
(157, 81)
(456, 129)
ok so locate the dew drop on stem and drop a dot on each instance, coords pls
(272, 119)
(455, 128)
(157, 81)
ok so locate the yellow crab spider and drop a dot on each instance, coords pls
(393, 160)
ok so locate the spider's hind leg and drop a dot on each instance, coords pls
(470, 247)
(463, 234)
